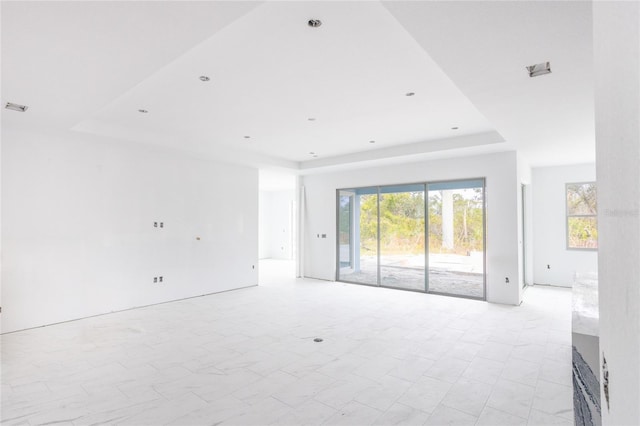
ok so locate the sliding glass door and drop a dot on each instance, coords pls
(358, 235)
(402, 237)
(386, 239)
(456, 238)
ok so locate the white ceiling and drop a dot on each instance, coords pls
(485, 46)
(90, 66)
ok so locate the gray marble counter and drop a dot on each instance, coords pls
(586, 352)
(585, 317)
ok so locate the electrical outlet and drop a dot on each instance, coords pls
(548, 266)
(155, 279)
(161, 224)
(506, 280)
(155, 224)
(159, 279)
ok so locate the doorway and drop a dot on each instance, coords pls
(277, 227)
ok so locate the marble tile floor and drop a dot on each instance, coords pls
(248, 357)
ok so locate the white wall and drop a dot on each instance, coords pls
(276, 223)
(525, 224)
(1, 239)
(549, 224)
(500, 171)
(264, 242)
(617, 104)
(78, 235)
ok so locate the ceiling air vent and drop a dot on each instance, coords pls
(539, 69)
(16, 107)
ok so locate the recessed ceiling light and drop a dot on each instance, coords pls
(372, 141)
(247, 137)
(204, 78)
(144, 111)
(455, 128)
(16, 107)
(409, 94)
(539, 69)
(314, 23)
(311, 119)
(315, 155)
(312, 153)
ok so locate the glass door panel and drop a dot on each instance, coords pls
(358, 235)
(456, 238)
(402, 237)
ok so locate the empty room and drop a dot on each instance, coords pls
(320, 213)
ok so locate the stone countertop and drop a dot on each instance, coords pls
(585, 317)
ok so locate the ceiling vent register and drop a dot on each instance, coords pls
(16, 107)
(539, 69)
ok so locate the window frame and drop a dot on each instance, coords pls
(568, 216)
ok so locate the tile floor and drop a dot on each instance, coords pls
(247, 357)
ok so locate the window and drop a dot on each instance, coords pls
(582, 221)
